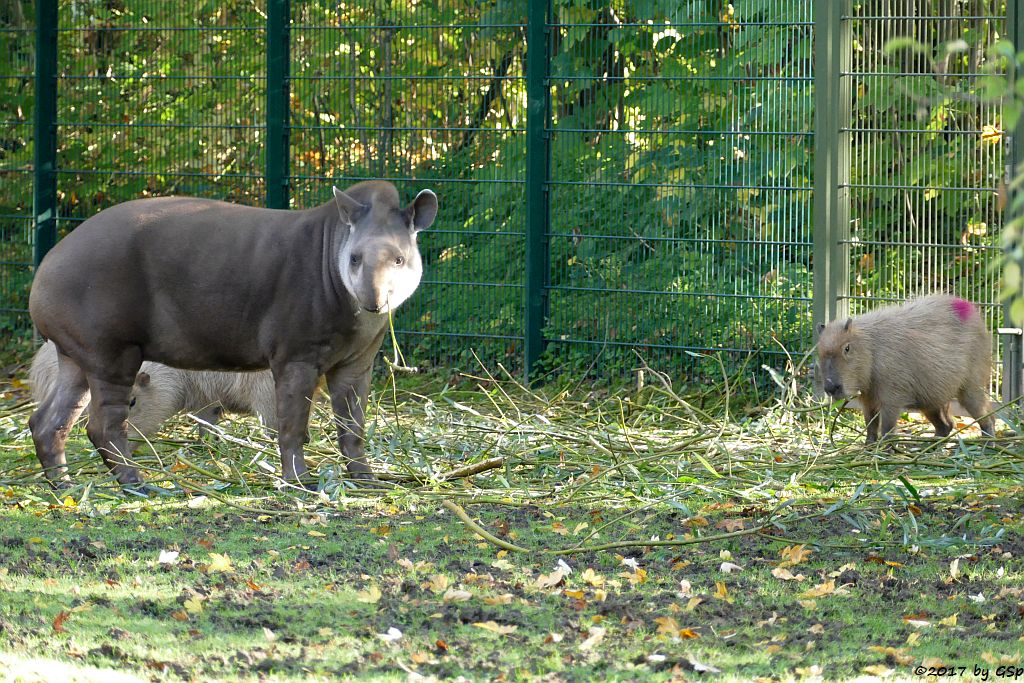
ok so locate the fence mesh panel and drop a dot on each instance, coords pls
(678, 138)
(427, 97)
(155, 98)
(927, 154)
(17, 48)
(681, 148)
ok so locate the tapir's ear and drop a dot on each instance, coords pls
(846, 327)
(423, 210)
(350, 209)
(142, 379)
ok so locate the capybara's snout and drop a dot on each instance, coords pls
(833, 389)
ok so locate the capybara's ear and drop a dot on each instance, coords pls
(820, 328)
(142, 379)
(350, 209)
(423, 210)
(846, 327)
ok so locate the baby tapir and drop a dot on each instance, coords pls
(920, 356)
(160, 392)
(206, 285)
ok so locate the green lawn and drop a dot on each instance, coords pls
(831, 562)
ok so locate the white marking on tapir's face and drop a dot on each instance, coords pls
(380, 265)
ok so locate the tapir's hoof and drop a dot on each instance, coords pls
(363, 475)
(60, 485)
(144, 490)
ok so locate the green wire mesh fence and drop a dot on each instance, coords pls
(648, 187)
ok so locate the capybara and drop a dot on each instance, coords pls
(160, 392)
(919, 356)
(200, 284)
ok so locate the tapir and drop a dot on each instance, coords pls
(200, 284)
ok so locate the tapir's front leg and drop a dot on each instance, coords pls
(349, 390)
(294, 385)
(108, 426)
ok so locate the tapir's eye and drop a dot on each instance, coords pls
(132, 403)
(399, 260)
(356, 259)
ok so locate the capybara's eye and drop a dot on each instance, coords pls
(356, 259)
(846, 349)
(399, 260)
(131, 404)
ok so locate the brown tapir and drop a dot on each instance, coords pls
(206, 285)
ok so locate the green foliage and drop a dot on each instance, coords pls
(681, 155)
(1004, 85)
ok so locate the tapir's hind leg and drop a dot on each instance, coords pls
(108, 426)
(52, 421)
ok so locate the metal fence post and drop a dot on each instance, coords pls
(44, 195)
(1013, 342)
(832, 38)
(278, 94)
(536, 180)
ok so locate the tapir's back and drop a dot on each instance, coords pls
(147, 270)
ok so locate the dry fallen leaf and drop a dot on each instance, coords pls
(219, 563)
(456, 595)
(168, 557)
(551, 580)
(58, 621)
(592, 578)
(730, 525)
(635, 578)
(879, 670)
(495, 627)
(667, 625)
(822, 589)
(438, 583)
(370, 596)
(794, 554)
(504, 599)
(595, 636)
(193, 605)
(786, 575)
(392, 636)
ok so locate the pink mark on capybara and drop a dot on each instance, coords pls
(964, 309)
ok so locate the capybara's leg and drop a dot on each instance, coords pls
(977, 403)
(294, 385)
(888, 416)
(52, 421)
(349, 391)
(108, 427)
(211, 414)
(870, 420)
(941, 419)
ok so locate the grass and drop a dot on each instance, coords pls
(665, 529)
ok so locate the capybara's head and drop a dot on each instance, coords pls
(844, 359)
(380, 261)
(137, 402)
